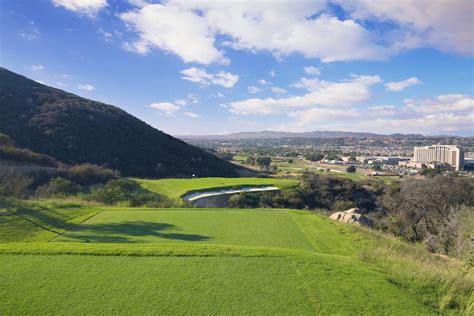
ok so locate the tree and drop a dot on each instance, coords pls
(351, 169)
(314, 156)
(263, 162)
(430, 211)
(250, 161)
(226, 156)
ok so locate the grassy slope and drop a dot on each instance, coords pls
(174, 188)
(319, 266)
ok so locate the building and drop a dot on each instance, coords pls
(451, 154)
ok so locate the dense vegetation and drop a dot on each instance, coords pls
(436, 211)
(188, 261)
(77, 130)
(9, 153)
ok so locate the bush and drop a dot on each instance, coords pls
(128, 192)
(351, 169)
(87, 174)
(58, 187)
(14, 182)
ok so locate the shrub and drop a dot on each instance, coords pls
(351, 169)
(125, 191)
(14, 182)
(58, 187)
(87, 174)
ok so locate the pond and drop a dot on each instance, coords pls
(220, 197)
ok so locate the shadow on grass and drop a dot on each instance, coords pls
(126, 232)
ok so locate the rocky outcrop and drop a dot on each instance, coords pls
(351, 216)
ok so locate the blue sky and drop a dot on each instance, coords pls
(219, 67)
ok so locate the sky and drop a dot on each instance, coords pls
(217, 67)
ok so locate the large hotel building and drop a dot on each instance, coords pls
(451, 154)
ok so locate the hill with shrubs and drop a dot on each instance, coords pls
(76, 130)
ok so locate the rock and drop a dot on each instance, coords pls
(351, 216)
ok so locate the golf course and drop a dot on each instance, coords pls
(66, 257)
(176, 188)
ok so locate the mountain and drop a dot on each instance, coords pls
(74, 130)
(276, 134)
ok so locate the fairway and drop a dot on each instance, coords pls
(175, 188)
(195, 285)
(266, 228)
(194, 261)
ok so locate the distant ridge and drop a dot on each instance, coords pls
(276, 134)
(76, 130)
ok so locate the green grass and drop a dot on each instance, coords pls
(175, 188)
(94, 260)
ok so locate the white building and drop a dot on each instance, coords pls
(451, 154)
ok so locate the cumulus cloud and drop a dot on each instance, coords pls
(401, 85)
(192, 114)
(447, 103)
(278, 90)
(87, 7)
(445, 25)
(173, 29)
(311, 70)
(170, 108)
(36, 67)
(199, 75)
(254, 89)
(86, 87)
(272, 73)
(450, 114)
(190, 30)
(322, 93)
(167, 108)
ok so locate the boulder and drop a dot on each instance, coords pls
(351, 216)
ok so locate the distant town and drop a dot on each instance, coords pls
(369, 154)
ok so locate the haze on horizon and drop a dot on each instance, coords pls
(209, 67)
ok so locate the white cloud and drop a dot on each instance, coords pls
(220, 95)
(190, 29)
(447, 103)
(181, 102)
(39, 81)
(278, 90)
(311, 70)
(173, 29)
(451, 114)
(199, 75)
(192, 114)
(106, 35)
(37, 67)
(442, 24)
(86, 87)
(262, 82)
(193, 98)
(322, 94)
(87, 7)
(254, 89)
(167, 108)
(401, 85)
(272, 73)
(31, 32)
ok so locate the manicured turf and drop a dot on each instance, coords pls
(83, 260)
(174, 188)
(71, 284)
(255, 228)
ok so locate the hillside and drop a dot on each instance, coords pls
(278, 134)
(96, 260)
(77, 130)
